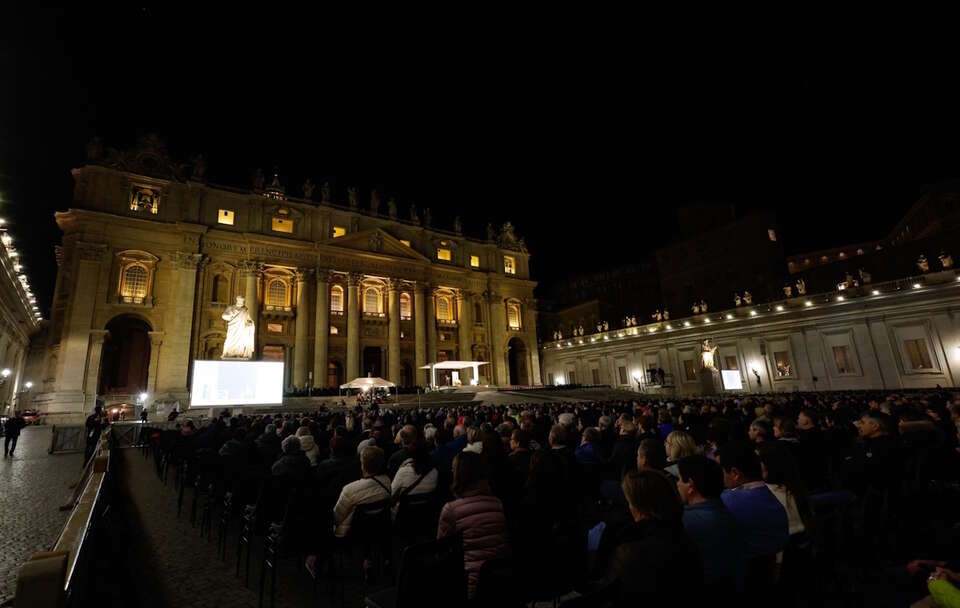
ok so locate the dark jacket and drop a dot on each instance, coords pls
(655, 561)
(587, 454)
(295, 466)
(624, 455)
(268, 448)
(721, 540)
(14, 425)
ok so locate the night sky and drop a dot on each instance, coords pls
(586, 124)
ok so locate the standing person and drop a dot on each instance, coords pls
(12, 432)
(96, 422)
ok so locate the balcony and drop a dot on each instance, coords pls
(446, 323)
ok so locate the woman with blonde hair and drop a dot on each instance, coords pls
(679, 444)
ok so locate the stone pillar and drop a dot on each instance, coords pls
(253, 271)
(175, 362)
(353, 326)
(321, 344)
(97, 336)
(156, 341)
(498, 330)
(465, 331)
(393, 331)
(420, 333)
(530, 329)
(301, 362)
(76, 335)
(431, 320)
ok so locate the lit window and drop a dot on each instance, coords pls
(277, 293)
(333, 330)
(475, 261)
(371, 301)
(513, 316)
(443, 254)
(509, 264)
(336, 298)
(405, 242)
(841, 358)
(225, 216)
(782, 361)
(444, 312)
(405, 306)
(918, 353)
(282, 224)
(133, 288)
(339, 231)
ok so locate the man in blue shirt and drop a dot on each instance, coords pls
(721, 540)
(757, 511)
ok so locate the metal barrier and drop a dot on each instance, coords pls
(67, 439)
(52, 578)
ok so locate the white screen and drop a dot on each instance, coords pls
(731, 380)
(237, 383)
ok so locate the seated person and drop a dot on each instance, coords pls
(476, 514)
(373, 486)
(653, 558)
(711, 526)
(757, 511)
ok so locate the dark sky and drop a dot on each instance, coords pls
(586, 124)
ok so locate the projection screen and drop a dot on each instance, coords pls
(237, 383)
(731, 380)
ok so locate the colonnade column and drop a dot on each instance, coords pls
(498, 330)
(353, 326)
(420, 333)
(253, 271)
(393, 331)
(530, 326)
(430, 317)
(301, 358)
(321, 340)
(465, 329)
(97, 337)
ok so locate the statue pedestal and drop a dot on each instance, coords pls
(708, 382)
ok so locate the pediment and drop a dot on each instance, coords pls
(378, 242)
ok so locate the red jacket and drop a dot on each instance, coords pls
(478, 516)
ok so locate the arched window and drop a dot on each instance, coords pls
(336, 299)
(133, 286)
(371, 300)
(405, 306)
(444, 310)
(513, 316)
(219, 292)
(276, 293)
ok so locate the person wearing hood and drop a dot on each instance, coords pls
(308, 445)
(292, 464)
(268, 445)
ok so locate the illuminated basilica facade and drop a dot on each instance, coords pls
(151, 258)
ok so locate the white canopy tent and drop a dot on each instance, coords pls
(368, 383)
(454, 365)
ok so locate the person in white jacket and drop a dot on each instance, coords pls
(308, 445)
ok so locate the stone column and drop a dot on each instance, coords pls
(301, 362)
(156, 341)
(465, 331)
(529, 321)
(97, 336)
(172, 377)
(353, 325)
(253, 271)
(420, 333)
(393, 331)
(76, 335)
(321, 344)
(431, 320)
(498, 331)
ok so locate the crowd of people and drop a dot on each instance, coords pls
(643, 501)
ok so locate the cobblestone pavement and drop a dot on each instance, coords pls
(33, 486)
(189, 571)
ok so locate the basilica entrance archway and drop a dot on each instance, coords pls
(518, 362)
(125, 365)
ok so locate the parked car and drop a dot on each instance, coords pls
(31, 416)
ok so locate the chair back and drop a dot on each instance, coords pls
(431, 575)
(371, 520)
(418, 515)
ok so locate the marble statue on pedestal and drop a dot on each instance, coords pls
(801, 287)
(946, 260)
(747, 298)
(703, 306)
(923, 264)
(708, 355)
(736, 299)
(240, 332)
(666, 314)
(695, 308)
(788, 291)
